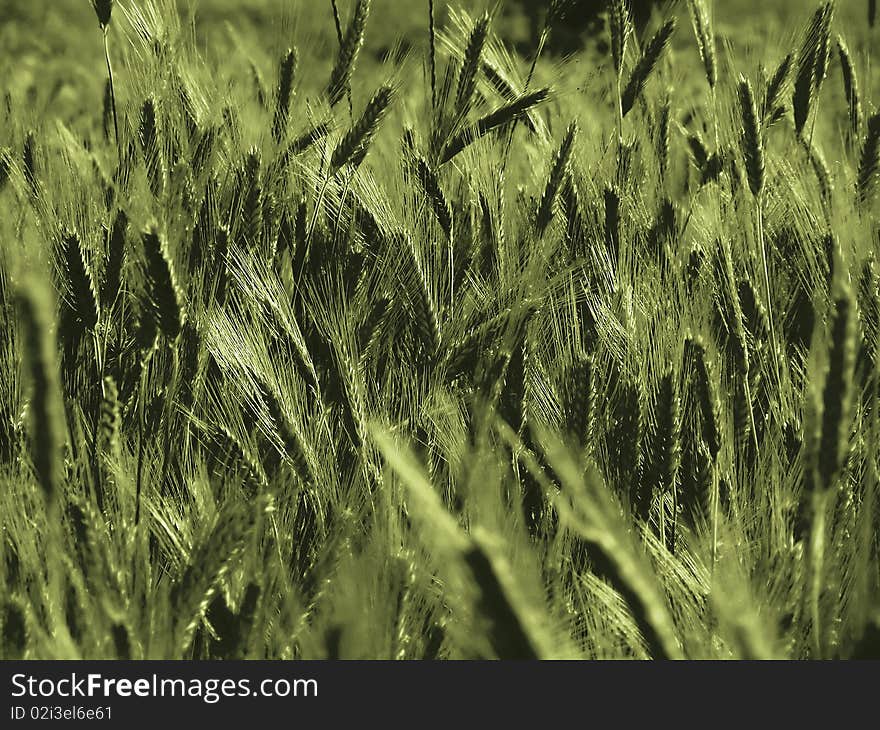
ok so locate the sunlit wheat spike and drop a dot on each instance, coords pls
(504, 87)
(108, 440)
(164, 297)
(776, 87)
(667, 438)
(356, 141)
(645, 65)
(340, 78)
(821, 171)
(204, 150)
(869, 162)
(430, 182)
(46, 409)
(292, 441)
(625, 435)
(751, 140)
(811, 64)
(418, 299)
(232, 456)
(754, 313)
(557, 174)
(823, 50)
(467, 78)
(490, 122)
(286, 73)
(580, 407)
(733, 314)
(850, 87)
(705, 39)
(662, 139)
(869, 315)
(84, 302)
(837, 393)
(252, 199)
(211, 561)
(303, 142)
(109, 419)
(621, 29)
(221, 264)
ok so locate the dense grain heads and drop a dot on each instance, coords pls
(430, 183)
(751, 140)
(580, 403)
(356, 142)
(667, 437)
(340, 78)
(554, 182)
(850, 87)
(705, 39)
(467, 79)
(498, 118)
(646, 64)
(164, 296)
(837, 393)
(812, 64)
(285, 91)
(109, 420)
(704, 392)
(83, 301)
(621, 29)
(772, 107)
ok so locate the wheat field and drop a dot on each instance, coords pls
(442, 345)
